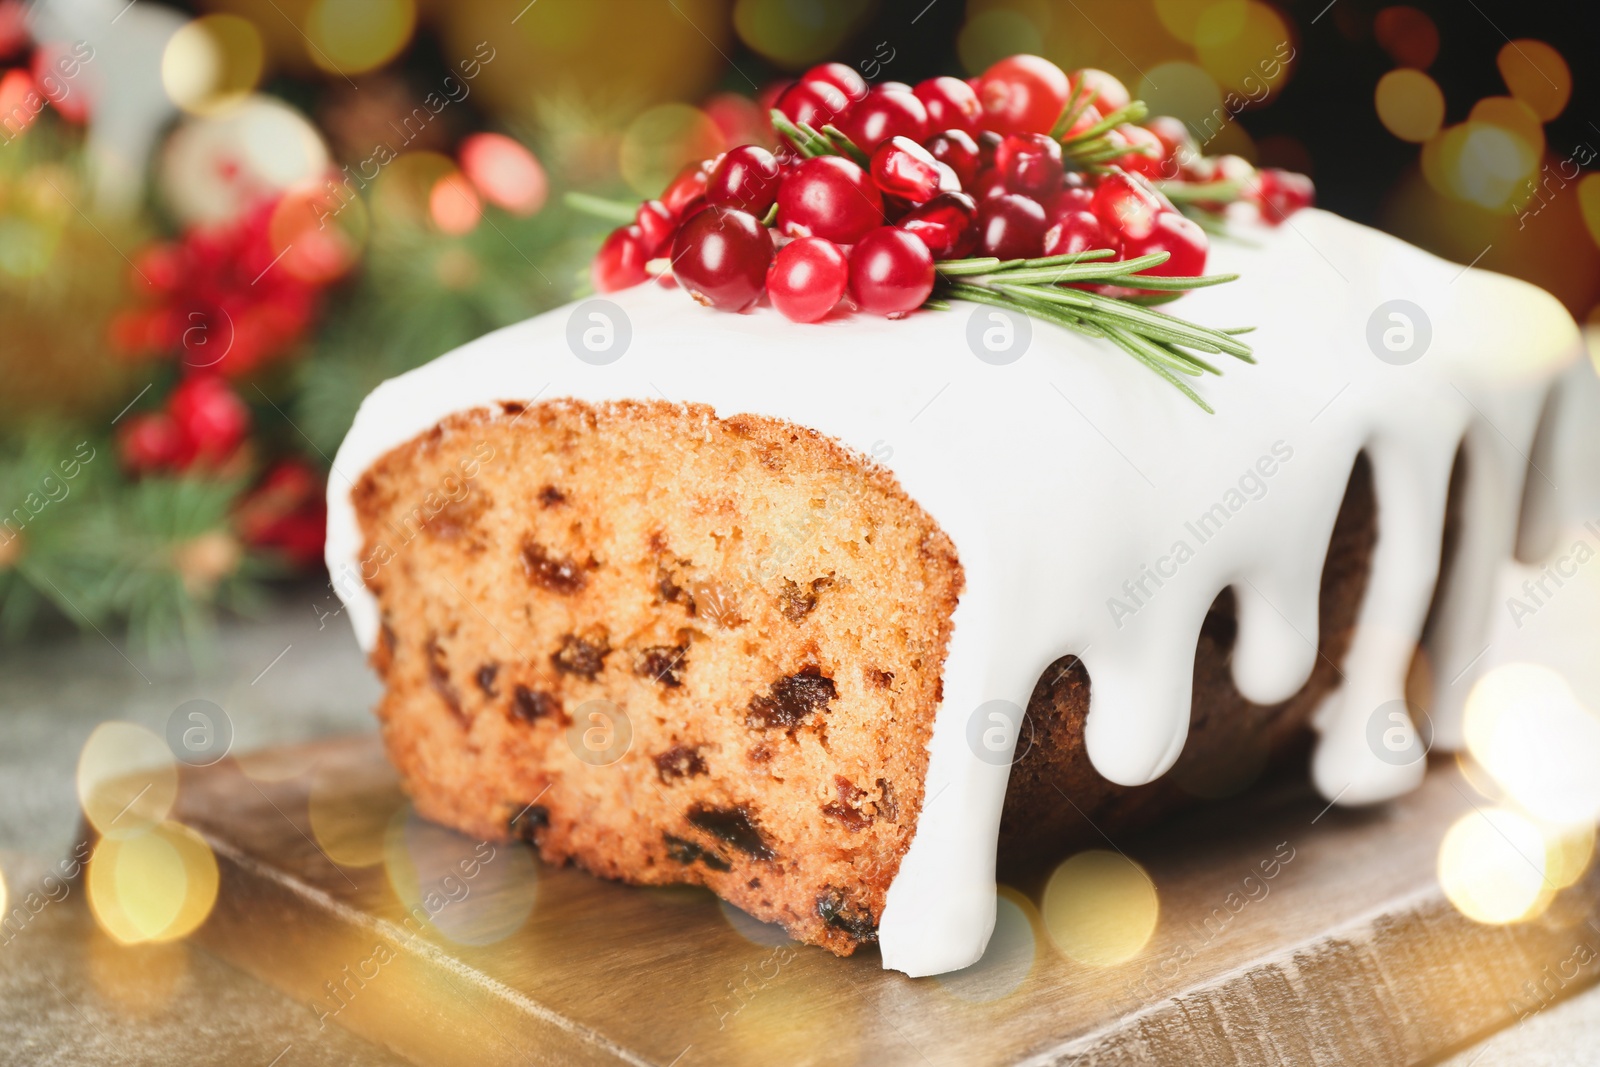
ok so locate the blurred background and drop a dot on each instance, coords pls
(222, 223)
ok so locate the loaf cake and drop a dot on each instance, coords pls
(826, 617)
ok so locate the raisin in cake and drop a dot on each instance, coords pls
(761, 606)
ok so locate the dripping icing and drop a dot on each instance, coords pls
(1061, 475)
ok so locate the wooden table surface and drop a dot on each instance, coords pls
(1353, 956)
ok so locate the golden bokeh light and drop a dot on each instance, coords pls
(1478, 163)
(1589, 201)
(317, 233)
(351, 825)
(212, 63)
(1515, 117)
(797, 35)
(158, 886)
(1100, 908)
(1568, 852)
(471, 892)
(1537, 75)
(1524, 725)
(1410, 104)
(661, 141)
(355, 36)
(1492, 866)
(453, 205)
(1185, 92)
(1007, 960)
(1247, 53)
(404, 188)
(989, 36)
(127, 779)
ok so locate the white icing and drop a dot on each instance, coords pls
(1064, 474)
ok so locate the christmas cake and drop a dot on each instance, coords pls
(921, 551)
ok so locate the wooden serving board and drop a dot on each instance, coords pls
(1352, 955)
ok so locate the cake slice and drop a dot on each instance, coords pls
(807, 614)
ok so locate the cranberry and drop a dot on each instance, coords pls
(747, 178)
(620, 261)
(988, 145)
(1011, 226)
(1087, 116)
(957, 150)
(903, 168)
(1105, 91)
(951, 104)
(208, 417)
(1281, 193)
(1030, 164)
(841, 77)
(815, 104)
(690, 183)
(947, 224)
(1074, 195)
(1126, 205)
(1171, 232)
(891, 272)
(830, 197)
(656, 226)
(885, 113)
(1177, 144)
(1023, 94)
(1075, 231)
(1146, 151)
(721, 257)
(807, 278)
(990, 183)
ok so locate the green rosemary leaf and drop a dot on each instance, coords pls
(1160, 368)
(1134, 112)
(1180, 284)
(842, 144)
(1069, 112)
(1223, 192)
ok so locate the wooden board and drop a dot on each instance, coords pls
(1350, 955)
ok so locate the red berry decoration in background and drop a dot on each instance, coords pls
(149, 442)
(620, 261)
(1011, 226)
(1030, 164)
(841, 77)
(947, 224)
(807, 278)
(656, 225)
(1281, 193)
(1023, 94)
(209, 417)
(951, 104)
(747, 179)
(958, 151)
(828, 197)
(886, 113)
(903, 168)
(721, 257)
(286, 512)
(891, 272)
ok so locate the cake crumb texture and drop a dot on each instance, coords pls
(668, 647)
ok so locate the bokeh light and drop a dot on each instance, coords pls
(797, 35)
(661, 140)
(472, 892)
(504, 173)
(1240, 45)
(990, 36)
(318, 234)
(404, 189)
(352, 825)
(453, 204)
(1567, 854)
(214, 165)
(1410, 104)
(158, 886)
(212, 63)
(1186, 92)
(1408, 35)
(1007, 960)
(1516, 118)
(1525, 726)
(1589, 201)
(1537, 75)
(1100, 908)
(355, 36)
(127, 780)
(1492, 866)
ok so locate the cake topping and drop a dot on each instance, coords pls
(883, 193)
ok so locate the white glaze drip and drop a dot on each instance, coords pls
(1074, 470)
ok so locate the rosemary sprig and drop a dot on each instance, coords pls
(601, 208)
(810, 141)
(1091, 147)
(1168, 345)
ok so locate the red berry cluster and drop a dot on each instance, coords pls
(947, 169)
(217, 299)
(203, 424)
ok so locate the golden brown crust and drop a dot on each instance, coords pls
(764, 612)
